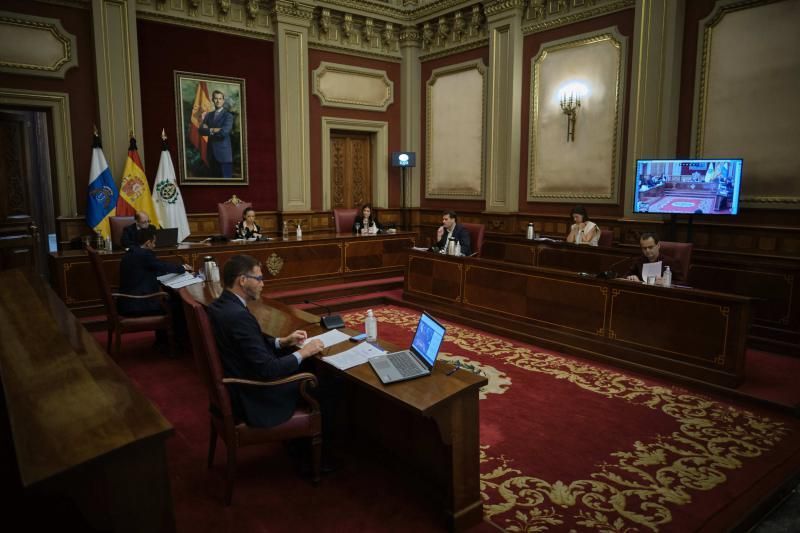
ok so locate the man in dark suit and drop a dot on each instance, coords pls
(450, 233)
(129, 238)
(217, 125)
(651, 253)
(138, 271)
(248, 354)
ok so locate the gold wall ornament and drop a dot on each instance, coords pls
(427, 36)
(252, 9)
(368, 31)
(223, 9)
(459, 26)
(36, 46)
(387, 35)
(194, 7)
(324, 23)
(274, 264)
(347, 26)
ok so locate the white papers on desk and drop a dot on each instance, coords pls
(651, 269)
(418, 249)
(329, 338)
(176, 281)
(355, 356)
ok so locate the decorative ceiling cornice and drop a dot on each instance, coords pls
(540, 16)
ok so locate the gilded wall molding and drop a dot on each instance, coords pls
(542, 15)
(572, 152)
(352, 87)
(58, 105)
(36, 46)
(455, 139)
(777, 169)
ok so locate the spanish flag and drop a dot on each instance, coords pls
(202, 105)
(134, 191)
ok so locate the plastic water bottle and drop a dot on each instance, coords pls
(530, 235)
(666, 278)
(458, 248)
(109, 246)
(371, 327)
(299, 232)
(285, 231)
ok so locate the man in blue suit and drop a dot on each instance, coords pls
(217, 125)
(248, 354)
(452, 232)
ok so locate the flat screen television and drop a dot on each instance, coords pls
(688, 186)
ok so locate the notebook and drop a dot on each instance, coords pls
(416, 361)
(166, 237)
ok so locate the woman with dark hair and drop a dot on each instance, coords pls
(247, 227)
(366, 223)
(583, 230)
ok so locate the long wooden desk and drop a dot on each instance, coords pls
(316, 259)
(80, 428)
(771, 282)
(686, 332)
(449, 403)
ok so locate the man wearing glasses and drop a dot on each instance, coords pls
(247, 353)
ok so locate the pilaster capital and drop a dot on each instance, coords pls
(291, 12)
(503, 8)
(410, 37)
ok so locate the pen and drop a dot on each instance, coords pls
(458, 365)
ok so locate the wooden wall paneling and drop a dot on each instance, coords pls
(376, 253)
(431, 276)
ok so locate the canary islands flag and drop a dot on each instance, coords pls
(103, 193)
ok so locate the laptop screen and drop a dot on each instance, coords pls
(428, 338)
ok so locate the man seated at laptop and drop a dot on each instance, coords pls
(247, 353)
(138, 271)
(141, 221)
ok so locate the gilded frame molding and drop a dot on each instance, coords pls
(700, 109)
(326, 67)
(465, 194)
(619, 42)
(68, 42)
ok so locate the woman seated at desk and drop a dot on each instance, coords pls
(367, 223)
(583, 231)
(247, 227)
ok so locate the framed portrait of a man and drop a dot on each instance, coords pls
(212, 132)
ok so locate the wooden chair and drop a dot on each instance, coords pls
(230, 213)
(344, 219)
(118, 224)
(681, 253)
(476, 232)
(119, 324)
(306, 421)
(606, 237)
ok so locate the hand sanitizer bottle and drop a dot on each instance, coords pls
(371, 327)
(666, 279)
(299, 231)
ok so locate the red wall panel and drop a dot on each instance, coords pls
(79, 84)
(317, 111)
(623, 20)
(427, 69)
(166, 48)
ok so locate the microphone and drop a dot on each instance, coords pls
(329, 321)
(610, 273)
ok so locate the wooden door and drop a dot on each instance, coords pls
(351, 169)
(26, 202)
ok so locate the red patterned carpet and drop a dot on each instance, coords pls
(569, 445)
(682, 204)
(566, 445)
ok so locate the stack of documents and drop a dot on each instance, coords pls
(329, 338)
(176, 281)
(355, 356)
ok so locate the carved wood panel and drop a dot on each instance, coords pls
(351, 170)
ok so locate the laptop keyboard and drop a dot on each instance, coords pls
(404, 364)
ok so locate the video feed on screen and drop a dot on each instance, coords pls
(688, 186)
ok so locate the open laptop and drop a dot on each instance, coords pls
(418, 360)
(166, 237)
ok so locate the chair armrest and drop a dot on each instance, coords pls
(302, 376)
(306, 379)
(161, 295)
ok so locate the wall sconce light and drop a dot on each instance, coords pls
(570, 100)
(569, 106)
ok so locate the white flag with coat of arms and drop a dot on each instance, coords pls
(167, 198)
